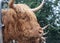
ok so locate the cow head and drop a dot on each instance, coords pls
(21, 19)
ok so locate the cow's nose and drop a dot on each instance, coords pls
(40, 31)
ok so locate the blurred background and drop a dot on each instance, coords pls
(49, 14)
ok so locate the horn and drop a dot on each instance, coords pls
(39, 7)
(11, 2)
(45, 26)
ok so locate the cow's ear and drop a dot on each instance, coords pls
(11, 3)
(4, 11)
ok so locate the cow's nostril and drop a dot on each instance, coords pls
(39, 32)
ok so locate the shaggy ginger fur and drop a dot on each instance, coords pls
(20, 24)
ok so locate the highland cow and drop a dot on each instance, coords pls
(20, 24)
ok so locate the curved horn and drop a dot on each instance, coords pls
(39, 7)
(11, 2)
